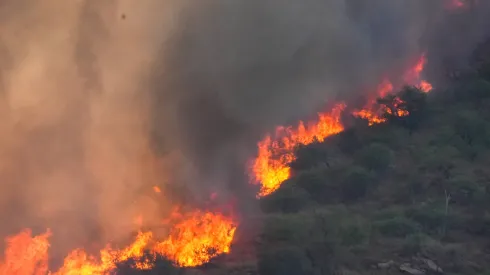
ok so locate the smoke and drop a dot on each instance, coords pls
(101, 100)
(74, 148)
(453, 38)
(233, 70)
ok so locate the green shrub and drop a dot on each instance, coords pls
(350, 141)
(290, 198)
(413, 244)
(474, 89)
(290, 229)
(471, 128)
(309, 156)
(284, 261)
(432, 218)
(353, 233)
(376, 157)
(356, 183)
(396, 227)
(465, 191)
(479, 224)
(319, 183)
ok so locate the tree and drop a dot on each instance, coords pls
(309, 156)
(319, 183)
(350, 141)
(376, 157)
(408, 108)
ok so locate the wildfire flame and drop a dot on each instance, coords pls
(198, 238)
(26, 254)
(271, 166)
(195, 238)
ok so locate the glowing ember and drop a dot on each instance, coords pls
(157, 189)
(425, 86)
(271, 167)
(194, 240)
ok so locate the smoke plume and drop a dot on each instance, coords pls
(101, 100)
(233, 70)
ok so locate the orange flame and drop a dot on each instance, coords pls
(197, 239)
(26, 255)
(194, 240)
(271, 166)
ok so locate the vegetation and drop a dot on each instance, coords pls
(162, 266)
(412, 190)
(415, 187)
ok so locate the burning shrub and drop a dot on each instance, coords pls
(160, 265)
(408, 108)
(376, 157)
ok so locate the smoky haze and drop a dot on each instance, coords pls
(74, 143)
(233, 70)
(101, 100)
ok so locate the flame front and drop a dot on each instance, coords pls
(195, 238)
(271, 166)
(198, 238)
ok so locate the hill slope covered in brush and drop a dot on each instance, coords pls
(411, 195)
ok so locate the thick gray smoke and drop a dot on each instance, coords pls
(232, 70)
(102, 100)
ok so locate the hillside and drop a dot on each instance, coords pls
(412, 193)
(409, 196)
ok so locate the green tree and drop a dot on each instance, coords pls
(320, 184)
(376, 157)
(309, 156)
